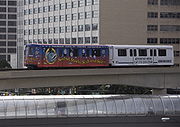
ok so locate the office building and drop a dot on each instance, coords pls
(103, 22)
(8, 28)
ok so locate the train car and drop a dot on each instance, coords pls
(41, 56)
(141, 55)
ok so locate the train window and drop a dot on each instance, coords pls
(142, 52)
(65, 52)
(162, 52)
(122, 52)
(30, 50)
(73, 52)
(96, 52)
(135, 53)
(60, 52)
(155, 53)
(151, 52)
(85, 52)
(131, 52)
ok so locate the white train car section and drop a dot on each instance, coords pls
(141, 55)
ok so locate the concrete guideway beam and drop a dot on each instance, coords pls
(144, 77)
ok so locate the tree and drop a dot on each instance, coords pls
(4, 64)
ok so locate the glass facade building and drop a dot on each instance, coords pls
(61, 21)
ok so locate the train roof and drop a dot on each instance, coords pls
(102, 46)
(64, 45)
(142, 46)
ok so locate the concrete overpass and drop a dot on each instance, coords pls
(159, 78)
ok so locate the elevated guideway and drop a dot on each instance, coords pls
(161, 78)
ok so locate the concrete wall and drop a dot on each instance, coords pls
(123, 21)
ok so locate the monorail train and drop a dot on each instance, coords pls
(42, 56)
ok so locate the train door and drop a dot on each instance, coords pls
(133, 55)
(153, 54)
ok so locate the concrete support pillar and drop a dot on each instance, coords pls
(159, 91)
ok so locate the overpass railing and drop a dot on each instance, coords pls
(12, 107)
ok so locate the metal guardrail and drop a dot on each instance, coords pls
(12, 107)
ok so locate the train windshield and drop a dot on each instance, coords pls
(29, 51)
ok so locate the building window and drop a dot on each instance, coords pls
(50, 19)
(62, 6)
(11, 50)
(2, 36)
(67, 40)
(2, 50)
(74, 40)
(74, 28)
(61, 29)
(11, 43)
(170, 15)
(45, 9)
(12, 37)
(45, 31)
(50, 30)
(87, 27)
(11, 30)
(11, 23)
(152, 28)
(169, 27)
(61, 18)
(176, 53)
(87, 2)
(170, 2)
(152, 14)
(61, 40)
(67, 29)
(56, 7)
(80, 40)
(74, 4)
(2, 2)
(45, 20)
(56, 30)
(87, 40)
(3, 16)
(11, 16)
(88, 15)
(95, 14)
(55, 41)
(94, 40)
(152, 2)
(95, 26)
(2, 30)
(80, 15)
(169, 40)
(2, 43)
(2, 23)
(12, 9)
(50, 8)
(95, 2)
(68, 5)
(80, 3)
(74, 16)
(2, 9)
(80, 28)
(12, 3)
(68, 17)
(152, 40)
